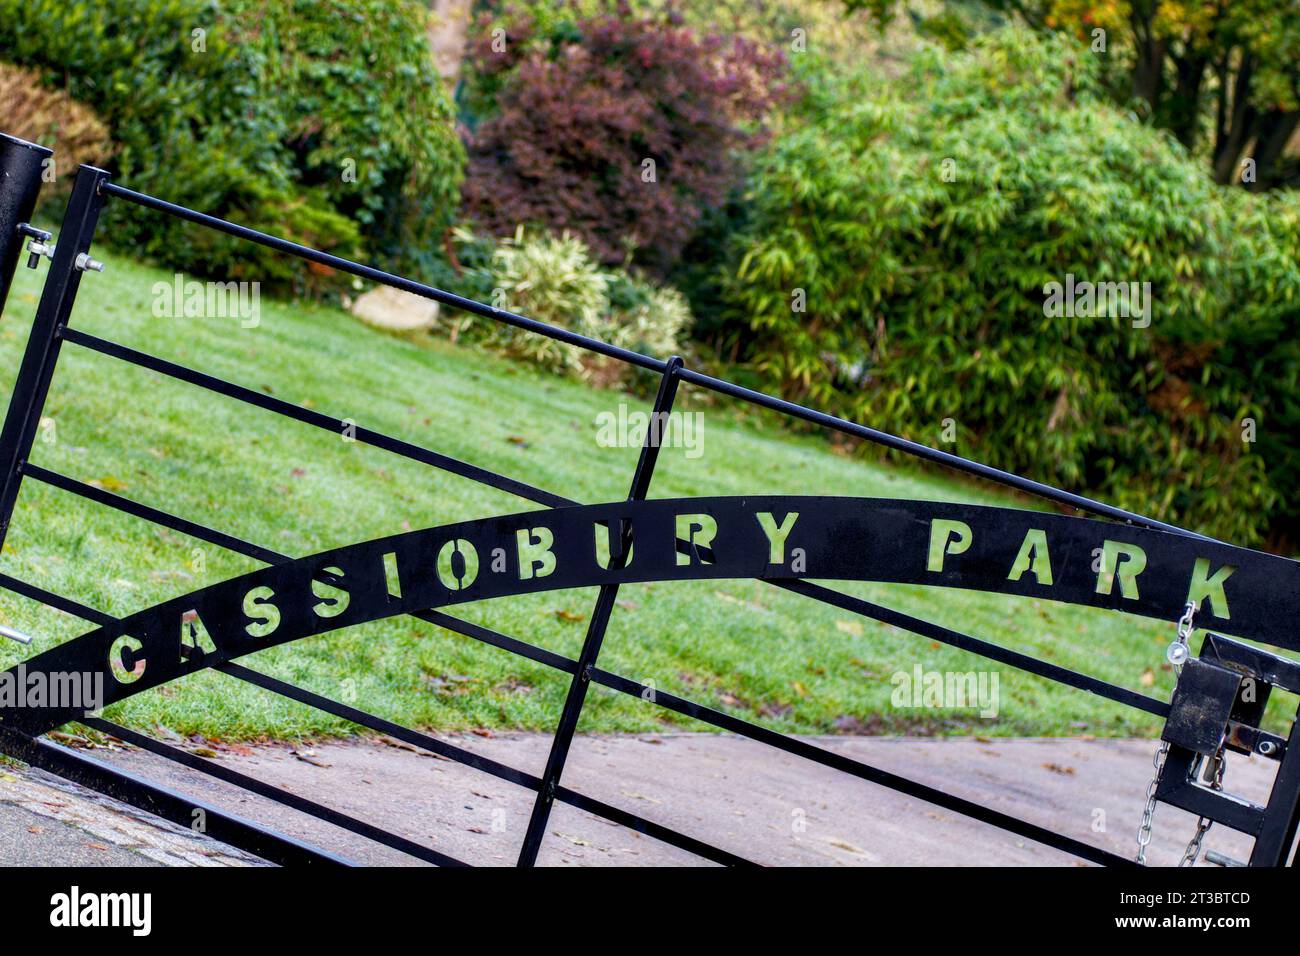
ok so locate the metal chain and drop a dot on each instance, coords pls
(1177, 654)
(1202, 824)
(1144, 831)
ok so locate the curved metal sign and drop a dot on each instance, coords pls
(1009, 551)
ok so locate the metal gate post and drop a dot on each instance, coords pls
(1282, 815)
(21, 165)
(37, 369)
(599, 621)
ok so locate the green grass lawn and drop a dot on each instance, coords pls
(767, 655)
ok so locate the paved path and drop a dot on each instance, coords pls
(47, 821)
(748, 798)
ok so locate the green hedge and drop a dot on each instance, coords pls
(252, 119)
(923, 218)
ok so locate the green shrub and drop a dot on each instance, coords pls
(925, 298)
(366, 119)
(249, 111)
(555, 279)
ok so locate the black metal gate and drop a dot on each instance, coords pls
(1218, 704)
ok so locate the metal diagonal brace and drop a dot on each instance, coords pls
(577, 695)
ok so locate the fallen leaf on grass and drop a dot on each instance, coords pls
(108, 483)
(513, 685)
(449, 683)
(564, 615)
(849, 627)
(1148, 678)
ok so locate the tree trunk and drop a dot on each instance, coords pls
(1183, 110)
(1274, 130)
(1148, 70)
(1241, 123)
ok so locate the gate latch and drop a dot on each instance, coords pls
(1219, 705)
(1202, 707)
(1221, 697)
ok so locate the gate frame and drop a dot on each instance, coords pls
(1276, 824)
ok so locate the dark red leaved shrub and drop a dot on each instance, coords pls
(579, 112)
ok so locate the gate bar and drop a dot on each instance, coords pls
(309, 417)
(56, 601)
(357, 716)
(385, 278)
(648, 362)
(994, 652)
(42, 351)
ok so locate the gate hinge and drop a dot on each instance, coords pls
(40, 244)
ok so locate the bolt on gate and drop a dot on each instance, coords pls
(1187, 579)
